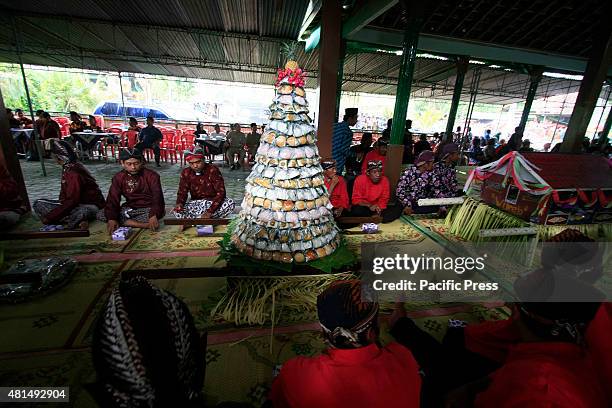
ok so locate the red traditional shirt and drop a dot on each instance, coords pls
(373, 194)
(140, 191)
(599, 340)
(539, 375)
(9, 191)
(208, 185)
(373, 155)
(491, 339)
(78, 187)
(339, 197)
(367, 377)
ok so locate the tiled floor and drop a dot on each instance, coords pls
(49, 187)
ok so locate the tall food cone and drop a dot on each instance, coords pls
(286, 214)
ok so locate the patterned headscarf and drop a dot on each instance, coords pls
(448, 149)
(344, 317)
(146, 349)
(374, 165)
(424, 157)
(63, 151)
(195, 153)
(126, 154)
(328, 164)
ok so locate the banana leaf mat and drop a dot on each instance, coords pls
(237, 370)
(53, 321)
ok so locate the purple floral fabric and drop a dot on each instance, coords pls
(448, 179)
(414, 185)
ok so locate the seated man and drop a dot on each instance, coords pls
(134, 125)
(80, 197)
(14, 123)
(356, 156)
(379, 153)
(12, 206)
(49, 130)
(144, 205)
(355, 371)
(235, 142)
(336, 187)
(23, 119)
(444, 171)
(204, 183)
(418, 182)
(371, 194)
(150, 137)
(76, 123)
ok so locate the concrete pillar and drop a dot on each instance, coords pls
(590, 88)
(329, 58)
(340, 79)
(462, 66)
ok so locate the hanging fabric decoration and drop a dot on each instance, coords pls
(568, 201)
(510, 165)
(604, 201)
(588, 201)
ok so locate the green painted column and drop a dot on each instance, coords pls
(535, 75)
(462, 66)
(404, 82)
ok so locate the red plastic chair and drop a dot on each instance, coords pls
(65, 130)
(115, 130)
(61, 120)
(167, 146)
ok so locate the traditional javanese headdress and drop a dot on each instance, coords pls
(374, 164)
(344, 317)
(195, 153)
(126, 154)
(146, 349)
(63, 151)
(328, 164)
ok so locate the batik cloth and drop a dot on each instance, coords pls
(447, 177)
(195, 208)
(127, 213)
(82, 212)
(415, 184)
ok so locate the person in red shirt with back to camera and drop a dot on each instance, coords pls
(336, 187)
(204, 183)
(378, 154)
(355, 371)
(141, 187)
(371, 194)
(80, 197)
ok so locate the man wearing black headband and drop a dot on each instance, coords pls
(80, 197)
(144, 205)
(355, 371)
(371, 194)
(336, 187)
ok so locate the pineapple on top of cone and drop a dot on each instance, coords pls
(286, 214)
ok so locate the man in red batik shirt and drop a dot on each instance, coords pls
(355, 371)
(204, 183)
(336, 187)
(80, 197)
(144, 205)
